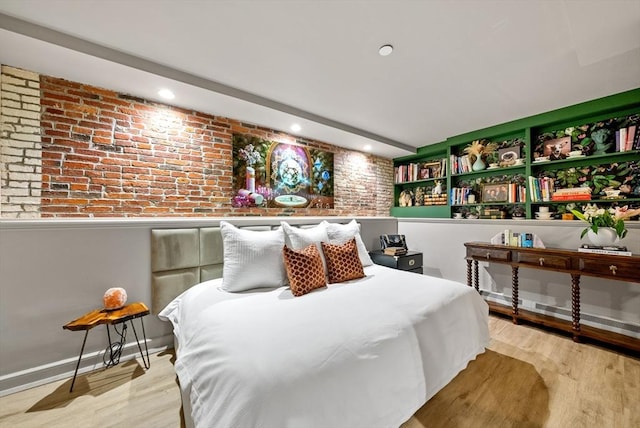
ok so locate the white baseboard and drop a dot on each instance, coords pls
(597, 321)
(56, 370)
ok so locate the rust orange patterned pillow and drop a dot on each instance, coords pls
(304, 269)
(343, 262)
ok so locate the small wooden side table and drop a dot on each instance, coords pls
(119, 316)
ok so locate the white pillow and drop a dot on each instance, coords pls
(252, 259)
(341, 233)
(297, 238)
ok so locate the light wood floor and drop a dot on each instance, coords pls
(527, 378)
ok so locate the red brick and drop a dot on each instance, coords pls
(49, 95)
(60, 208)
(101, 140)
(77, 165)
(96, 209)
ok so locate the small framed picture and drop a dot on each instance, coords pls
(508, 155)
(429, 170)
(497, 192)
(558, 148)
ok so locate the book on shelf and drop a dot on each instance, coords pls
(631, 132)
(420, 171)
(573, 191)
(628, 138)
(576, 197)
(622, 145)
(609, 250)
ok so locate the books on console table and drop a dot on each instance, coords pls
(613, 250)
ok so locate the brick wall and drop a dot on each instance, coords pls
(20, 148)
(106, 154)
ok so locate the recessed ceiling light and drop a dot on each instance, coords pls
(385, 50)
(367, 147)
(166, 94)
(295, 127)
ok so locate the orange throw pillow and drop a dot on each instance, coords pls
(343, 262)
(304, 269)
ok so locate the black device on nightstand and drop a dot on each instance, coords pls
(411, 261)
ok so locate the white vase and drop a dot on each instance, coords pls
(606, 236)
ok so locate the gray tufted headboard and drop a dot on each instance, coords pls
(181, 258)
(177, 261)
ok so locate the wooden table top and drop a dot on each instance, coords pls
(103, 316)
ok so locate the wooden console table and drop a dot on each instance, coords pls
(573, 262)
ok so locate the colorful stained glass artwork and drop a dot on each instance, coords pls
(272, 174)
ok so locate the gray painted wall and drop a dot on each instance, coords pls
(54, 271)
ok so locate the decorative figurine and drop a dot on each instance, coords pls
(438, 189)
(419, 196)
(406, 198)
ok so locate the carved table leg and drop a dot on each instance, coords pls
(514, 293)
(575, 306)
(476, 281)
(469, 273)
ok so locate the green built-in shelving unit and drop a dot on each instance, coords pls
(526, 133)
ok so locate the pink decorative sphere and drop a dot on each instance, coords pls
(114, 298)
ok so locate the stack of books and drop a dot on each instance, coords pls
(613, 250)
(435, 199)
(492, 213)
(572, 194)
(395, 251)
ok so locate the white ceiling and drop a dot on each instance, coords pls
(457, 66)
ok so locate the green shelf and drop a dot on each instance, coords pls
(431, 211)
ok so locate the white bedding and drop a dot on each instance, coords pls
(364, 353)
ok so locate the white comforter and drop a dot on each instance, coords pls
(365, 353)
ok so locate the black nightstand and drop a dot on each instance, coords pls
(412, 261)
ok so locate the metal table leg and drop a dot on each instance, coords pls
(86, 333)
(146, 363)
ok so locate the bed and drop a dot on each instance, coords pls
(362, 352)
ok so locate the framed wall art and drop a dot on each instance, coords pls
(272, 174)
